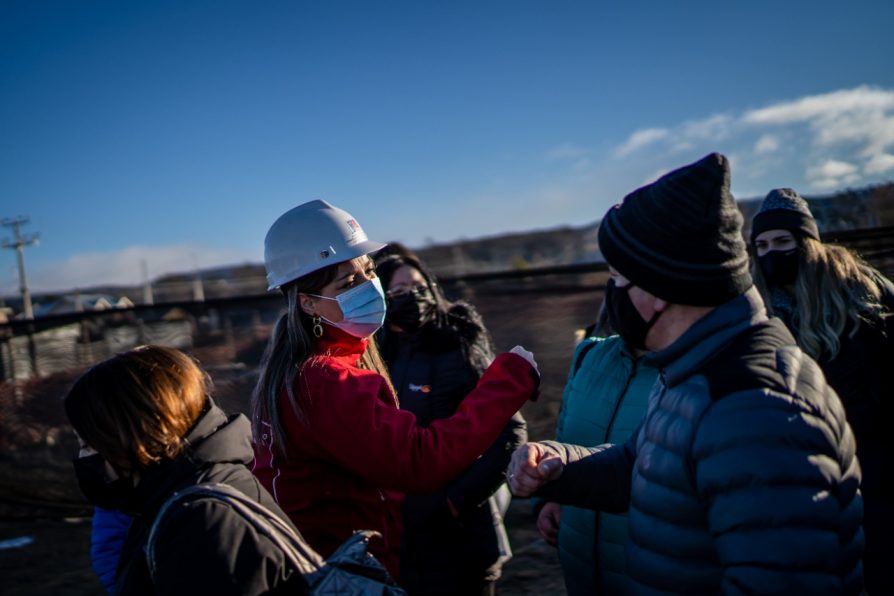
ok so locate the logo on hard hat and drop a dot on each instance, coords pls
(356, 232)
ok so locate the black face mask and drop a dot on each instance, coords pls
(411, 310)
(780, 268)
(99, 488)
(624, 318)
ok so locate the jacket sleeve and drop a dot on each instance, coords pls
(205, 547)
(594, 477)
(106, 539)
(355, 424)
(583, 347)
(780, 485)
(485, 475)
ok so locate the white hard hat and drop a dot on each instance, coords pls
(309, 237)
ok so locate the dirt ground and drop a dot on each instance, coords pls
(39, 498)
(58, 561)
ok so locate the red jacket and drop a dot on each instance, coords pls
(350, 462)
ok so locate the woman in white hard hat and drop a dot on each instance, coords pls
(330, 442)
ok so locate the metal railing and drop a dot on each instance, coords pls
(39, 359)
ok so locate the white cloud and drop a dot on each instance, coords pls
(831, 169)
(566, 152)
(879, 164)
(766, 144)
(714, 128)
(819, 143)
(808, 108)
(827, 141)
(869, 132)
(831, 175)
(640, 139)
(682, 138)
(826, 184)
(862, 117)
(124, 267)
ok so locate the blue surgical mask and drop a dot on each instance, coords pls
(363, 309)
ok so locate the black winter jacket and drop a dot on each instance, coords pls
(432, 372)
(205, 547)
(742, 478)
(860, 374)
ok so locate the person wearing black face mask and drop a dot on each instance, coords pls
(110, 495)
(147, 429)
(742, 475)
(838, 308)
(435, 351)
(101, 485)
(412, 309)
(623, 316)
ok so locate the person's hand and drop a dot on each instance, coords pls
(529, 356)
(530, 468)
(548, 522)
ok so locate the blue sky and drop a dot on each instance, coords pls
(176, 132)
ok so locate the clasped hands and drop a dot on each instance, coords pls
(532, 466)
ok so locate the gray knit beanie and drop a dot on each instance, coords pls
(784, 209)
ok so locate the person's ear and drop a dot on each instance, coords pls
(307, 304)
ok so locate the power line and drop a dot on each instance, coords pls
(19, 244)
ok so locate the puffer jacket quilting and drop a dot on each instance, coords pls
(744, 476)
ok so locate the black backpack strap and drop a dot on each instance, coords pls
(301, 556)
(350, 570)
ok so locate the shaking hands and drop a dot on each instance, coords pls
(531, 467)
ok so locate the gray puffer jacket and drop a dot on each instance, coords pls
(743, 476)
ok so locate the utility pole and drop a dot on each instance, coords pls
(147, 285)
(19, 244)
(198, 288)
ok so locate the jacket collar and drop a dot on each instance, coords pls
(216, 438)
(626, 352)
(704, 339)
(336, 342)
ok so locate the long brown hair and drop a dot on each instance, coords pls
(835, 290)
(291, 345)
(136, 408)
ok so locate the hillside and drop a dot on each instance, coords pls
(864, 208)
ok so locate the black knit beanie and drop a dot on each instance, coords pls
(680, 238)
(784, 209)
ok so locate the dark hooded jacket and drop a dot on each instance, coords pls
(742, 478)
(860, 375)
(205, 547)
(433, 370)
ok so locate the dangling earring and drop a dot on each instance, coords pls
(318, 329)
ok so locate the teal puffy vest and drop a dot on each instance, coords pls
(603, 402)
